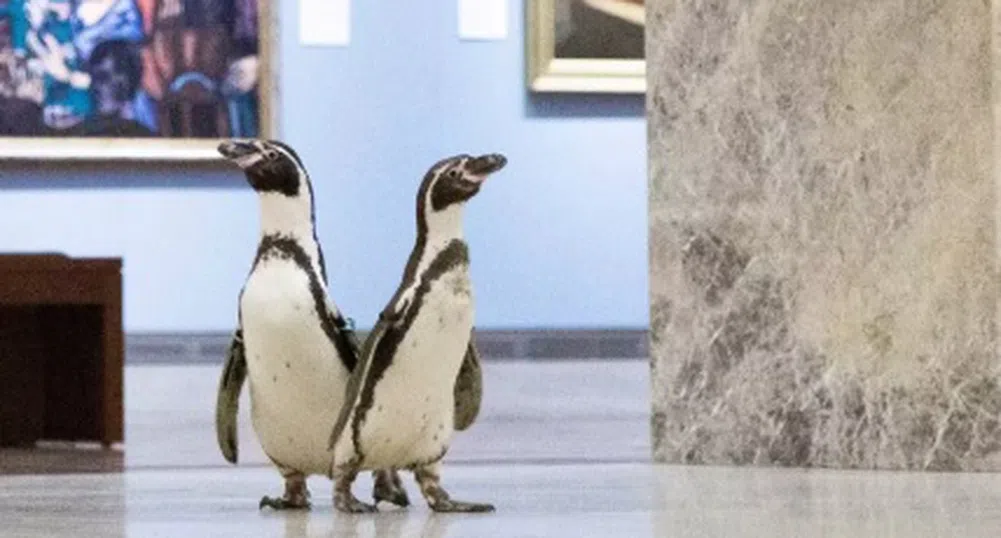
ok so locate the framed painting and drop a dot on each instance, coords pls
(133, 79)
(586, 46)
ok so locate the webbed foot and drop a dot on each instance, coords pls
(429, 479)
(449, 505)
(389, 488)
(344, 500)
(296, 495)
(282, 503)
(350, 504)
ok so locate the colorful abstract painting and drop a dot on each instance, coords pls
(128, 70)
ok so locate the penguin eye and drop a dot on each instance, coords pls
(453, 173)
(270, 154)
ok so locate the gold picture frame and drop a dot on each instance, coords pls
(548, 72)
(158, 147)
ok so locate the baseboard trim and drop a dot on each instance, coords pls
(518, 344)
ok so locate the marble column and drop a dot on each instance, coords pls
(823, 233)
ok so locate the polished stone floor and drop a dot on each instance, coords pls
(561, 450)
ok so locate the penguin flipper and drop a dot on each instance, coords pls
(468, 389)
(234, 374)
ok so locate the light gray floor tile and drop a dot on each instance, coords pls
(561, 449)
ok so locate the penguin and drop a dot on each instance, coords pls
(418, 379)
(291, 342)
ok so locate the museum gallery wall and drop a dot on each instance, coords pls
(164, 79)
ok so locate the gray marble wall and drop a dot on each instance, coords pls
(823, 244)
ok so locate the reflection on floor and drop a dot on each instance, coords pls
(60, 459)
(561, 449)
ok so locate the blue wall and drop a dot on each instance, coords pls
(558, 238)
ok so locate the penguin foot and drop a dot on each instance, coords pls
(449, 505)
(349, 504)
(296, 494)
(345, 501)
(438, 499)
(283, 503)
(389, 488)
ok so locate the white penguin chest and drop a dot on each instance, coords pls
(435, 343)
(296, 376)
(411, 419)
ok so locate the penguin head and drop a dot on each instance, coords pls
(456, 179)
(270, 166)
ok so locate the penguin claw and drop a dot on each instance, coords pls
(279, 503)
(350, 504)
(448, 505)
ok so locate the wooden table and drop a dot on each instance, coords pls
(61, 349)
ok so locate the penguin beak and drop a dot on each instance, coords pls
(235, 150)
(484, 165)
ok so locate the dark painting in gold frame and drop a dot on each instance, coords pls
(586, 46)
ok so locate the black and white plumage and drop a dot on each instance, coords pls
(418, 378)
(291, 341)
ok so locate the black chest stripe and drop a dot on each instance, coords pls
(455, 254)
(333, 323)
